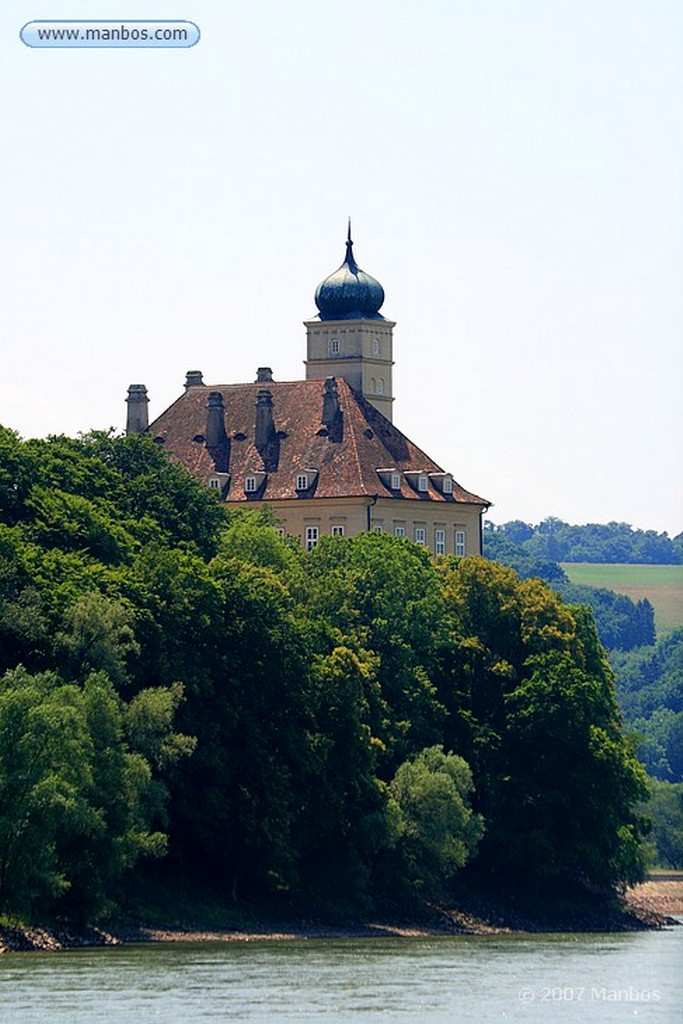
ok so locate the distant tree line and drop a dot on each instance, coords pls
(556, 541)
(339, 727)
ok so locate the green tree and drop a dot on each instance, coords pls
(79, 805)
(438, 831)
(382, 596)
(533, 711)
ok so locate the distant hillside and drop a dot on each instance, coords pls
(661, 585)
(615, 543)
(623, 623)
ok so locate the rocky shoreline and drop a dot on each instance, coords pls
(654, 904)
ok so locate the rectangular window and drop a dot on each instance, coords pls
(399, 531)
(214, 484)
(448, 485)
(311, 537)
(334, 347)
(439, 542)
(377, 528)
(422, 483)
(250, 484)
(395, 482)
(420, 535)
(337, 530)
(460, 542)
(302, 482)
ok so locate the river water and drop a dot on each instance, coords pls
(609, 979)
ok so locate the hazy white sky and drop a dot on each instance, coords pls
(513, 170)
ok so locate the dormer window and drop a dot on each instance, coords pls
(254, 482)
(305, 479)
(443, 482)
(418, 480)
(390, 477)
(219, 482)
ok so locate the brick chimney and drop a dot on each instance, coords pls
(137, 418)
(332, 417)
(265, 425)
(215, 420)
(331, 410)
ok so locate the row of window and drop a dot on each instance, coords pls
(305, 480)
(334, 347)
(312, 536)
(420, 481)
(252, 484)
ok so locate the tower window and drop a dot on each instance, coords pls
(311, 537)
(375, 346)
(439, 542)
(334, 347)
(250, 484)
(460, 542)
(380, 386)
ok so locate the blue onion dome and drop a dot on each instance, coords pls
(349, 293)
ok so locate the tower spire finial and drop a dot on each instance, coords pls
(349, 248)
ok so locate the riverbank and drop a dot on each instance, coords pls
(653, 904)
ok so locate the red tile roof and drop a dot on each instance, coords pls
(346, 459)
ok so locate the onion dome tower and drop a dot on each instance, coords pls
(349, 337)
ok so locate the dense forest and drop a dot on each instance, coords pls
(556, 541)
(648, 669)
(343, 727)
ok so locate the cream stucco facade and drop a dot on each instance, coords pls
(443, 529)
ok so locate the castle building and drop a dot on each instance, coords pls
(323, 452)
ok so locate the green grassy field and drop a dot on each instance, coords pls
(662, 585)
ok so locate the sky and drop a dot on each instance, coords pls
(513, 171)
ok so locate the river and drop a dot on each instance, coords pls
(609, 978)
